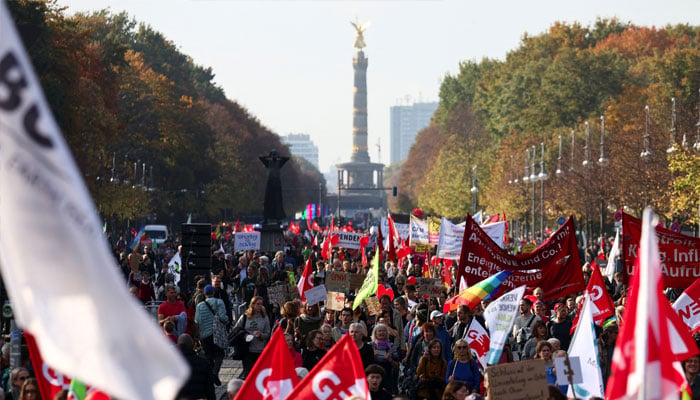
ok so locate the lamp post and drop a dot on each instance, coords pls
(526, 180)
(475, 191)
(696, 146)
(559, 172)
(646, 153)
(542, 176)
(672, 132)
(586, 163)
(602, 163)
(533, 180)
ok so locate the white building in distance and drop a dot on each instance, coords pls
(301, 145)
(406, 122)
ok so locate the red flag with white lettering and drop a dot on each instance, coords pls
(338, 375)
(307, 279)
(642, 366)
(273, 376)
(601, 303)
(687, 305)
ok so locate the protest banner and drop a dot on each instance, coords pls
(451, 235)
(373, 305)
(246, 241)
(337, 281)
(554, 266)
(418, 234)
(500, 316)
(680, 254)
(434, 230)
(687, 305)
(355, 281)
(519, 380)
(348, 240)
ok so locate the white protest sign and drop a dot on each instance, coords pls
(500, 316)
(315, 295)
(247, 241)
(348, 240)
(563, 371)
(419, 231)
(451, 236)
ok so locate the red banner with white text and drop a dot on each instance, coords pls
(680, 254)
(554, 265)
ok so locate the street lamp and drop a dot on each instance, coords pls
(526, 180)
(573, 141)
(475, 191)
(646, 153)
(534, 178)
(542, 176)
(586, 150)
(696, 146)
(559, 171)
(602, 162)
(672, 132)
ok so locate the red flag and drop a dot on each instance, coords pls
(601, 302)
(328, 242)
(307, 279)
(492, 219)
(403, 251)
(506, 234)
(338, 375)
(642, 366)
(364, 241)
(316, 227)
(426, 264)
(273, 376)
(392, 241)
(601, 252)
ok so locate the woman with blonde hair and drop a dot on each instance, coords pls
(29, 390)
(463, 367)
(256, 324)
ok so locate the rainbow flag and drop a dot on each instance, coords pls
(473, 295)
(137, 239)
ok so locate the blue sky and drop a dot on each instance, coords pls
(290, 62)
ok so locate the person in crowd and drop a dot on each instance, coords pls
(343, 325)
(544, 352)
(309, 320)
(438, 319)
(296, 357)
(691, 367)
(420, 345)
(571, 307)
(169, 331)
(289, 312)
(17, 377)
(386, 354)
(327, 341)
(375, 377)
(29, 390)
(173, 310)
(200, 384)
(556, 344)
(232, 388)
(539, 333)
(313, 351)
(142, 281)
(261, 284)
(257, 325)
(431, 370)
(560, 326)
(606, 347)
(464, 367)
(198, 295)
(455, 390)
(249, 281)
(522, 326)
(329, 317)
(413, 329)
(357, 331)
(204, 316)
(540, 309)
(462, 324)
(395, 323)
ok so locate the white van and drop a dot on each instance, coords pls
(157, 233)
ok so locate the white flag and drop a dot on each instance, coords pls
(614, 251)
(500, 316)
(64, 284)
(583, 346)
(479, 341)
(174, 267)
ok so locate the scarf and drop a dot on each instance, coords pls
(383, 344)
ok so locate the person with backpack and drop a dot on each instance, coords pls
(463, 367)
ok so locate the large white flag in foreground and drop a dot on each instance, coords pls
(583, 346)
(64, 284)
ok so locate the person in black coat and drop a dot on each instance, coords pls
(200, 384)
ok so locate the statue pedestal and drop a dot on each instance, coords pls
(271, 238)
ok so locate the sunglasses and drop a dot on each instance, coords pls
(461, 347)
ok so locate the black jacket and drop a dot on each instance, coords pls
(200, 384)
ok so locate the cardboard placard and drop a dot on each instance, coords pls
(563, 371)
(337, 281)
(335, 301)
(315, 295)
(278, 294)
(429, 287)
(523, 380)
(373, 305)
(246, 241)
(356, 281)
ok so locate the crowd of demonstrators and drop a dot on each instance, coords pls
(410, 348)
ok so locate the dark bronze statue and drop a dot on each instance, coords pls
(273, 207)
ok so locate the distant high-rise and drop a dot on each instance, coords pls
(406, 122)
(302, 146)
